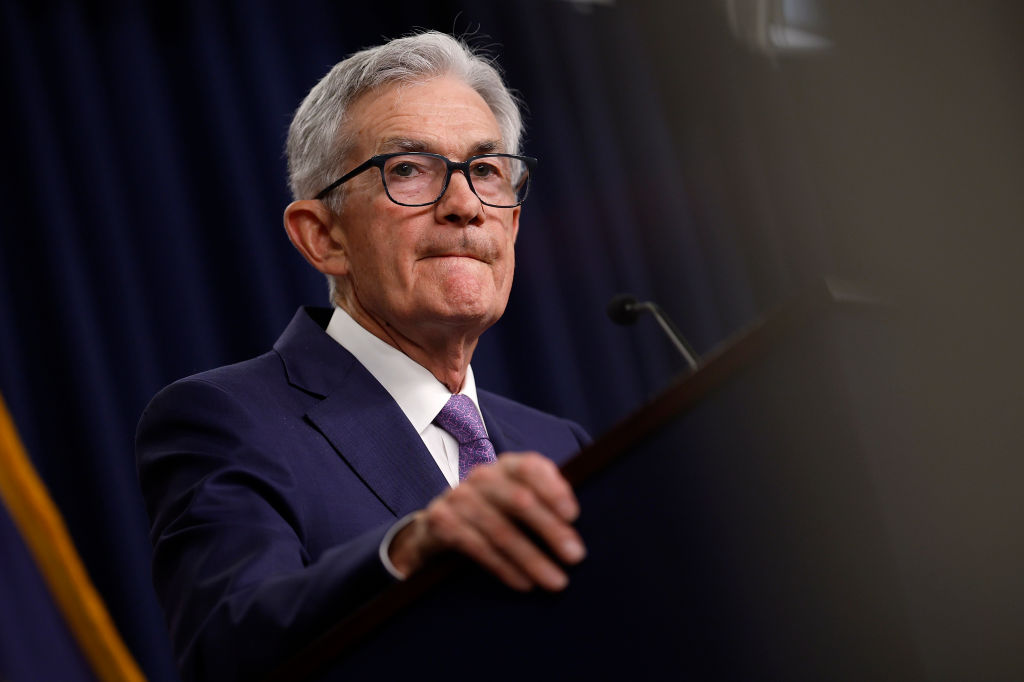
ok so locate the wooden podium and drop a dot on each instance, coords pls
(732, 534)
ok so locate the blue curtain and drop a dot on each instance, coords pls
(142, 190)
(35, 642)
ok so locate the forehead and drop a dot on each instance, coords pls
(441, 115)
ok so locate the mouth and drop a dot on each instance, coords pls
(454, 254)
(478, 249)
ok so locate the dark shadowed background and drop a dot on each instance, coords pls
(712, 155)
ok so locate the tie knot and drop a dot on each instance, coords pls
(460, 418)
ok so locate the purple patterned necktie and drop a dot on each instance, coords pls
(460, 418)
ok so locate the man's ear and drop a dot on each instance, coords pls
(313, 230)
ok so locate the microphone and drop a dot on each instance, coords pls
(624, 309)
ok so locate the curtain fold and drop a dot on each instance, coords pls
(38, 620)
(142, 241)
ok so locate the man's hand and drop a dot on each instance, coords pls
(484, 518)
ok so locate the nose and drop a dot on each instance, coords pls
(459, 205)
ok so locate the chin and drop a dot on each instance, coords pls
(468, 309)
(464, 296)
(470, 314)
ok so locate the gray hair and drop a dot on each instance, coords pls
(317, 140)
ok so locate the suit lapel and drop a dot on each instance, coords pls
(504, 436)
(370, 432)
(360, 419)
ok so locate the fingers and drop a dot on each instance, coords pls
(466, 522)
(441, 526)
(543, 477)
(490, 516)
(541, 500)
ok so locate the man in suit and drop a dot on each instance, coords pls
(286, 490)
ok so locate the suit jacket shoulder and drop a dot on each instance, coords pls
(513, 426)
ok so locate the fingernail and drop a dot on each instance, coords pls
(573, 551)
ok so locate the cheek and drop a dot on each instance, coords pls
(376, 254)
(509, 261)
(509, 268)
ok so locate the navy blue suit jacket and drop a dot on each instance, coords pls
(270, 485)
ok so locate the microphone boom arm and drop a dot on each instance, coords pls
(624, 309)
(671, 331)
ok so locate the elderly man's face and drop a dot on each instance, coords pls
(448, 264)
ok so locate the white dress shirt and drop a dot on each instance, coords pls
(420, 395)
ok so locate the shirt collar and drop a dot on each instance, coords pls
(418, 393)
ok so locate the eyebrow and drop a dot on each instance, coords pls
(406, 144)
(403, 144)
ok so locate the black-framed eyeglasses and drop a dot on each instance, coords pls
(421, 178)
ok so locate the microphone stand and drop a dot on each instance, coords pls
(624, 309)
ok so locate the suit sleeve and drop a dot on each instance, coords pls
(583, 438)
(230, 565)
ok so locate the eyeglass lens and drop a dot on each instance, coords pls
(419, 179)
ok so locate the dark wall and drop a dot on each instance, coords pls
(143, 186)
(141, 241)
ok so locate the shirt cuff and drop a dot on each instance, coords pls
(385, 545)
